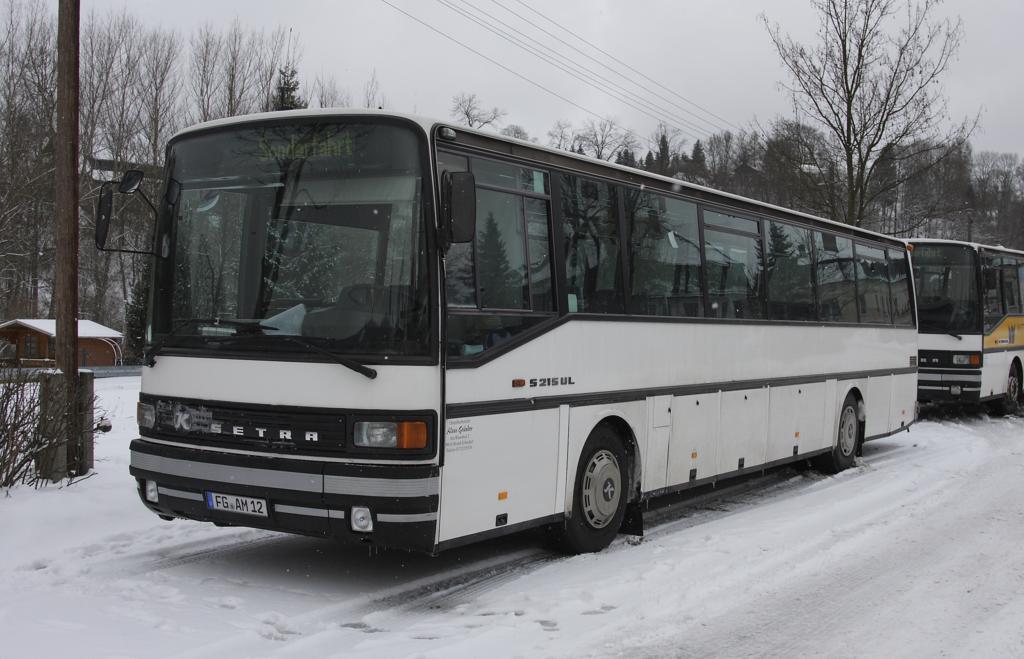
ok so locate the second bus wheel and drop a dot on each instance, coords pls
(599, 494)
(1011, 402)
(847, 440)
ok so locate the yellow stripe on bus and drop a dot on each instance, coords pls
(1009, 333)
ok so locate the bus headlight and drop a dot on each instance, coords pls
(145, 414)
(391, 434)
(967, 360)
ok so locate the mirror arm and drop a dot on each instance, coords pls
(149, 203)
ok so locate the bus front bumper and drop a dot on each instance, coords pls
(948, 385)
(309, 497)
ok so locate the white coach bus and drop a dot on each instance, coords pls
(971, 323)
(397, 331)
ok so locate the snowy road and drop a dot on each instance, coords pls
(919, 551)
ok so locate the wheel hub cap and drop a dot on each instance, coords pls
(848, 431)
(602, 487)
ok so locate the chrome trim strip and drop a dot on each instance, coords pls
(382, 487)
(281, 480)
(947, 377)
(417, 517)
(288, 456)
(308, 512)
(180, 494)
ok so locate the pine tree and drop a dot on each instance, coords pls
(287, 96)
(663, 159)
(626, 158)
(500, 285)
(698, 163)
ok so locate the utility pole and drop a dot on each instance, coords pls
(66, 213)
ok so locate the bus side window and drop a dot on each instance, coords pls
(837, 288)
(1011, 285)
(735, 267)
(899, 288)
(664, 255)
(1020, 272)
(992, 291)
(499, 285)
(872, 285)
(593, 262)
(790, 273)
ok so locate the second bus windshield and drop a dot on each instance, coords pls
(947, 289)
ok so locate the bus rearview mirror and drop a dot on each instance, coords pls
(131, 181)
(460, 194)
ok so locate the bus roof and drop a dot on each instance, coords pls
(428, 124)
(964, 243)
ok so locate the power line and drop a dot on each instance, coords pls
(500, 65)
(619, 94)
(668, 116)
(631, 80)
(617, 60)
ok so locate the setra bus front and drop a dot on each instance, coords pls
(292, 377)
(950, 320)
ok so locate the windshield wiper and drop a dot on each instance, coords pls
(250, 327)
(955, 336)
(361, 369)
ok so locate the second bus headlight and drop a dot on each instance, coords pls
(145, 414)
(391, 434)
(967, 360)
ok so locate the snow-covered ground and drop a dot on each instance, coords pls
(919, 551)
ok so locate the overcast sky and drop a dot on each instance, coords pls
(714, 53)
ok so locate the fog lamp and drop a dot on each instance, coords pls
(151, 492)
(362, 520)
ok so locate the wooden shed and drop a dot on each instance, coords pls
(33, 342)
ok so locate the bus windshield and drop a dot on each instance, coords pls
(946, 277)
(275, 231)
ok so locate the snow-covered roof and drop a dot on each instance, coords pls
(964, 243)
(87, 329)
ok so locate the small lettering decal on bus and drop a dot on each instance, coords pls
(458, 435)
(551, 382)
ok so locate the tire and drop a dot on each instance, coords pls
(1011, 402)
(848, 440)
(599, 494)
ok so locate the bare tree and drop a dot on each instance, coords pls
(373, 98)
(204, 73)
(873, 89)
(159, 91)
(267, 60)
(238, 70)
(518, 132)
(604, 140)
(563, 136)
(467, 110)
(27, 115)
(328, 94)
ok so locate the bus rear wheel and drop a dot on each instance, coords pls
(1011, 402)
(599, 494)
(847, 441)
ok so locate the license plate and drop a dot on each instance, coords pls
(236, 504)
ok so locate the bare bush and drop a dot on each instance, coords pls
(33, 445)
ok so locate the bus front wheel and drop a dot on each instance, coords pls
(847, 441)
(599, 494)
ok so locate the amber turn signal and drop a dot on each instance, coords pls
(412, 434)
